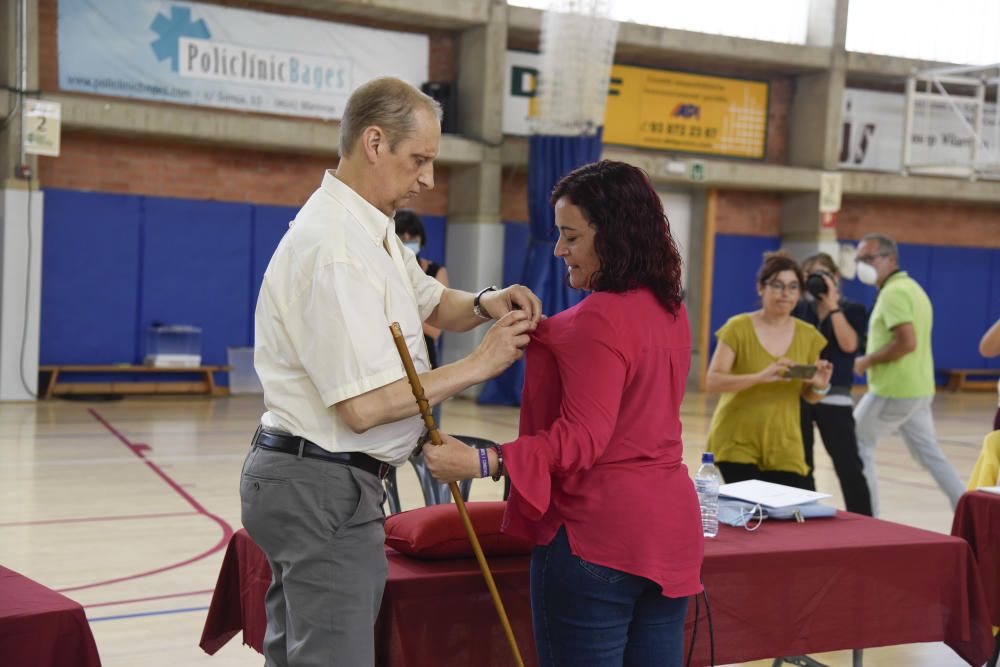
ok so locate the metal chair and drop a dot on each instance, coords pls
(436, 493)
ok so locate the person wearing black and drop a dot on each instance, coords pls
(843, 323)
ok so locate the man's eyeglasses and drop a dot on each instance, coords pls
(778, 286)
(868, 258)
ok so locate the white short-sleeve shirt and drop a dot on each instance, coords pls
(321, 326)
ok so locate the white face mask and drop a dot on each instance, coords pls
(414, 246)
(867, 273)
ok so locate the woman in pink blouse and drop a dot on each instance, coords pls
(598, 481)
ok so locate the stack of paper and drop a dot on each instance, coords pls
(769, 494)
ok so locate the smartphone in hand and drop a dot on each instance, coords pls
(801, 372)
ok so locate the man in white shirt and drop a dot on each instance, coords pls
(339, 407)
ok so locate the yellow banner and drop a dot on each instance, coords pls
(692, 113)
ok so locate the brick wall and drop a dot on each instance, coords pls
(931, 223)
(110, 163)
(514, 195)
(750, 213)
(107, 163)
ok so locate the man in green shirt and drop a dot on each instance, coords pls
(900, 368)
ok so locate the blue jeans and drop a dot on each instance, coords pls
(587, 615)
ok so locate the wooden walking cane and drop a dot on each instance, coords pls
(432, 431)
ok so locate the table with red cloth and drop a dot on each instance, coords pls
(977, 521)
(41, 628)
(787, 589)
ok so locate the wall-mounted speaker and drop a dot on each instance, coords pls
(444, 93)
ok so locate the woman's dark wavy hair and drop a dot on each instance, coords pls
(632, 238)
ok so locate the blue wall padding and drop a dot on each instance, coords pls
(734, 276)
(113, 264)
(434, 231)
(90, 292)
(196, 270)
(516, 237)
(959, 290)
(994, 299)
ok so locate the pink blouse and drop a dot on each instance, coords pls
(600, 445)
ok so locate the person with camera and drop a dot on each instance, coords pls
(843, 323)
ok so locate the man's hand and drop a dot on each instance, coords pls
(514, 297)
(452, 460)
(862, 364)
(503, 345)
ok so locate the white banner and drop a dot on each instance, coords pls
(871, 137)
(209, 55)
(520, 85)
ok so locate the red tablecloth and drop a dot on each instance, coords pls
(41, 628)
(787, 589)
(977, 521)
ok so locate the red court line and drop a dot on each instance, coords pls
(153, 597)
(140, 451)
(88, 519)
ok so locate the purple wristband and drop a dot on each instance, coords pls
(484, 463)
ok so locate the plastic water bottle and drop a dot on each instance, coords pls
(706, 483)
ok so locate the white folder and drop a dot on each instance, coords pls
(769, 494)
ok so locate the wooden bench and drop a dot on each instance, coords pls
(958, 379)
(206, 385)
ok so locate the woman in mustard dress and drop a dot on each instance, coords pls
(755, 431)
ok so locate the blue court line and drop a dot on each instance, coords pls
(146, 613)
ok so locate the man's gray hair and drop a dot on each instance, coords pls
(390, 104)
(885, 244)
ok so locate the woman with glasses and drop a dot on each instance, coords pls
(755, 431)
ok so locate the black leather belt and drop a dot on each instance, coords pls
(289, 444)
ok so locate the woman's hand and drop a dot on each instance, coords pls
(830, 300)
(824, 371)
(452, 460)
(775, 372)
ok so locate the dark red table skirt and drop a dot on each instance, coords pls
(787, 589)
(977, 521)
(41, 628)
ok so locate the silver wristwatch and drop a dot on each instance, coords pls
(477, 308)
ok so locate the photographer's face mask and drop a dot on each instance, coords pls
(736, 513)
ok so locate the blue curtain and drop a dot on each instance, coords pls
(550, 158)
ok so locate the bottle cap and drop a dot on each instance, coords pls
(708, 457)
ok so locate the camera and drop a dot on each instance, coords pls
(815, 284)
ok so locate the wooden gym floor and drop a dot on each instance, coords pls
(127, 506)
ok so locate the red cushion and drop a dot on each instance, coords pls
(437, 532)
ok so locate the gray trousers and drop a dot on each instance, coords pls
(877, 416)
(321, 526)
